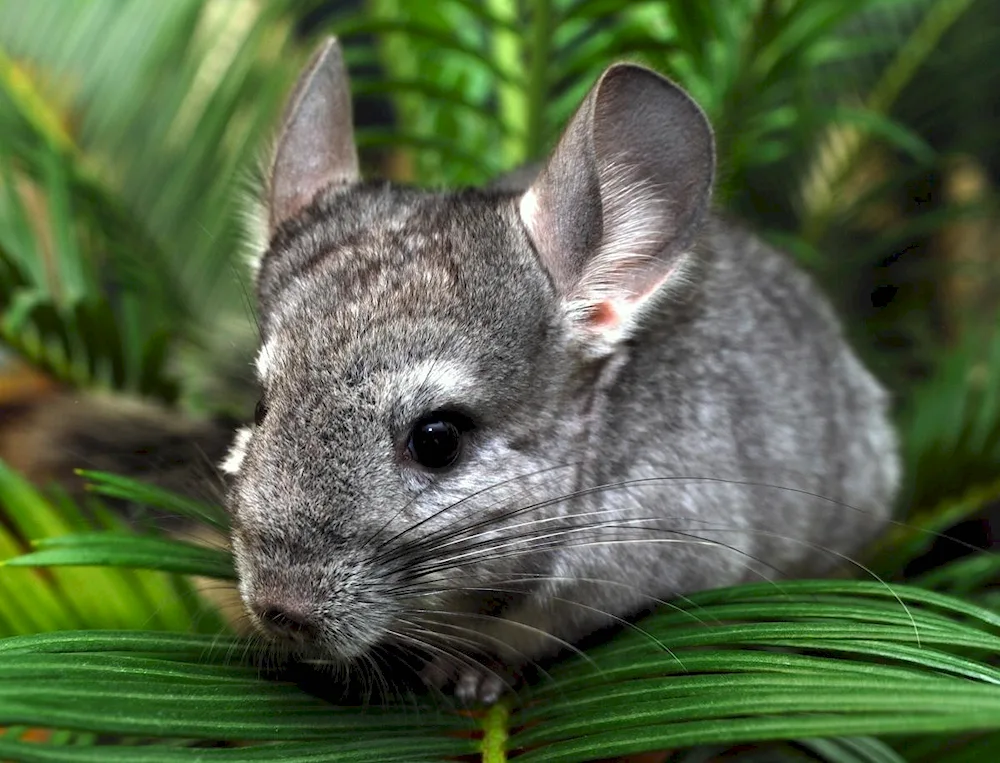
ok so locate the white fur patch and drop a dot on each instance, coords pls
(636, 215)
(442, 378)
(256, 238)
(529, 208)
(237, 451)
(267, 359)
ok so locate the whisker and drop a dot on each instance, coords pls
(435, 537)
(620, 620)
(524, 626)
(562, 518)
(456, 658)
(378, 681)
(527, 577)
(850, 560)
(432, 625)
(554, 542)
(753, 531)
(490, 541)
(395, 538)
(504, 540)
(248, 301)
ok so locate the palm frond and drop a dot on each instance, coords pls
(753, 663)
(83, 597)
(136, 158)
(715, 670)
(952, 423)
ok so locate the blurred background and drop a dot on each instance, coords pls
(860, 135)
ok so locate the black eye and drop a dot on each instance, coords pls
(259, 412)
(436, 440)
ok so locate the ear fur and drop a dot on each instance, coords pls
(253, 214)
(315, 149)
(621, 199)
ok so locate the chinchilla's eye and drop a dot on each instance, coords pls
(436, 439)
(259, 412)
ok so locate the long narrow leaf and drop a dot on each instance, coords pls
(125, 488)
(105, 549)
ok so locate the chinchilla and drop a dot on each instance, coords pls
(494, 421)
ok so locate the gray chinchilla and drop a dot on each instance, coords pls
(495, 421)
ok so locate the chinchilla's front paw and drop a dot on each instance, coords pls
(479, 685)
(472, 684)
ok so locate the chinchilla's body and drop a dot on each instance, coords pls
(495, 421)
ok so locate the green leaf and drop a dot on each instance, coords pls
(104, 549)
(890, 130)
(199, 647)
(125, 488)
(715, 686)
(444, 39)
(346, 752)
(71, 598)
(965, 576)
(736, 731)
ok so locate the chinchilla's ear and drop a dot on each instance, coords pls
(316, 146)
(620, 201)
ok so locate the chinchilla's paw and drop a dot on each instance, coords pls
(478, 684)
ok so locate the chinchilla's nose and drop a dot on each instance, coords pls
(286, 621)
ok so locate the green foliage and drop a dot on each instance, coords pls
(149, 552)
(715, 668)
(138, 130)
(85, 597)
(753, 663)
(128, 133)
(53, 217)
(955, 418)
(507, 75)
(116, 486)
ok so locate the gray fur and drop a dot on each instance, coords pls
(725, 387)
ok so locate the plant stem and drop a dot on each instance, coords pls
(538, 84)
(495, 734)
(511, 103)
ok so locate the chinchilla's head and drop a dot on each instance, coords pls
(427, 360)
